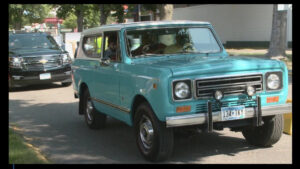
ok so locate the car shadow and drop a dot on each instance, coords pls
(36, 87)
(63, 137)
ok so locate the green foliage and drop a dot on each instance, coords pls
(119, 12)
(70, 22)
(22, 14)
(92, 19)
(85, 14)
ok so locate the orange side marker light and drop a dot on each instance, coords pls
(272, 99)
(181, 109)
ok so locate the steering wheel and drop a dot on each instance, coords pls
(187, 46)
(145, 48)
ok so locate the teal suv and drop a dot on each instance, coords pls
(162, 76)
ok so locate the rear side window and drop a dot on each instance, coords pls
(92, 46)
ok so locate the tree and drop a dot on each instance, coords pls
(165, 11)
(278, 35)
(152, 8)
(22, 14)
(92, 17)
(119, 12)
(104, 12)
(79, 10)
(70, 22)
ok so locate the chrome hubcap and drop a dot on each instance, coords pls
(89, 109)
(146, 132)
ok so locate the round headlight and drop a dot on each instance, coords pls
(182, 90)
(273, 81)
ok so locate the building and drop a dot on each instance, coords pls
(236, 25)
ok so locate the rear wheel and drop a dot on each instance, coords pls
(154, 140)
(93, 118)
(267, 134)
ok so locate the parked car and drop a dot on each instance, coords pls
(35, 58)
(167, 75)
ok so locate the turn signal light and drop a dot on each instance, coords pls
(272, 99)
(183, 109)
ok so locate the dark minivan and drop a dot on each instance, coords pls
(36, 58)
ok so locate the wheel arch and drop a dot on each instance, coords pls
(138, 99)
(82, 87)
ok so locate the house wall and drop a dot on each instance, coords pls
(235, 24)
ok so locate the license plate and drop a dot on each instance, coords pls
(233, 113)
(44, 76)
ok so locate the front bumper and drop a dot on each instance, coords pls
(203, 118)
(24, 78)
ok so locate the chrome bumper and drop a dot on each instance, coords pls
(202, 118)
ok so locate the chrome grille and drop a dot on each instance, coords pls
(34, 63)
(202, 107)
(229, 85)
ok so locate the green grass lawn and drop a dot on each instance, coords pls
(22, 153)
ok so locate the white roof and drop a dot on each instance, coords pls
(140, 24)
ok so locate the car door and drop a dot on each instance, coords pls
(106, 79)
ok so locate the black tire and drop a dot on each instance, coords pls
(65, 84)
(160, 147)
(93, 118)
(267, 134)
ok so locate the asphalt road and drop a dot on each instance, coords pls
(48, 116)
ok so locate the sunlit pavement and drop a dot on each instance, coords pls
(49, 115)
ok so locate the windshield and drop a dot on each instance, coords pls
(30, 41)
(171, 41)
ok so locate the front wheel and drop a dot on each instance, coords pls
(267, 134)
(154, 140)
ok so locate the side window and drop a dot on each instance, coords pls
(111, 46)
(92, 46)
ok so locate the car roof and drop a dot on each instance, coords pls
(141, 24)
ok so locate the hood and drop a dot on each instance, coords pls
(33, 51)
(189, 65)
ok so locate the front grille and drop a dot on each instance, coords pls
(34, 63)
(228, 85)
(202, 107)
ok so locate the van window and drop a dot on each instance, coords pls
(92, 46)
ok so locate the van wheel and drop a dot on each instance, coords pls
(267, 134)
(93, 118)
(154, 140)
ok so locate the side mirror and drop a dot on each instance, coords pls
(104, 62)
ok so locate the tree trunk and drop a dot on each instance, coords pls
(278, 35)
(120, 13)
(166, 12)
(18, 23)
(103, 15)
(79, 14)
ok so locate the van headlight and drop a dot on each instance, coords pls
(182, 90)
(66, 59)
(16, 62)
(274, 80)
